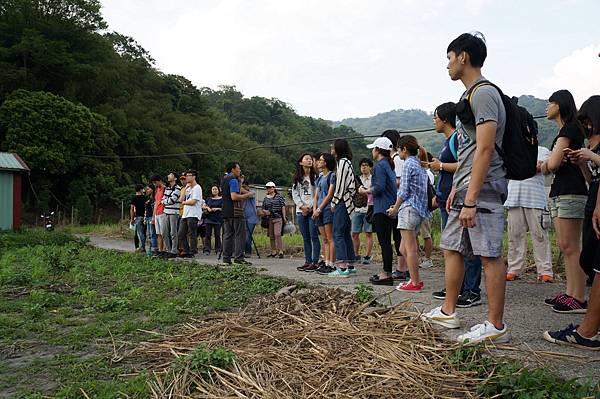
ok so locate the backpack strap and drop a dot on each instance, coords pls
(470, 95)
(453, 145)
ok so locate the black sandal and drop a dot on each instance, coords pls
(376, 280)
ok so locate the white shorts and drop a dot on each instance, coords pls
(160, 223)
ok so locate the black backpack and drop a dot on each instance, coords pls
(520, 142)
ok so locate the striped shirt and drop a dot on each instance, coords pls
(274, 205)
(529, 193)
(413, 186)
(170, 199)
(344, 185)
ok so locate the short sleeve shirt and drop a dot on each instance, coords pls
(594, 184)
(487, 106)
(568, 179)
(193, 211)
(139, 203)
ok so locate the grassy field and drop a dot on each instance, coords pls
(68, 312)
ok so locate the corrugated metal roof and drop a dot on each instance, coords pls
(10, 161)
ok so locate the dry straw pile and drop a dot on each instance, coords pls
(311, 343)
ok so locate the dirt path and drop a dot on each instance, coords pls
(525, 313)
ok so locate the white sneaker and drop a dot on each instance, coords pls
(426, 264)
(485, 331)
(435, 316)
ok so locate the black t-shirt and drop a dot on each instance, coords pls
(568, 179)
(590, 205)
(139, 202)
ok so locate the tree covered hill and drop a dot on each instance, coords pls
(418, 119)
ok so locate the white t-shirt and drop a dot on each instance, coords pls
(431, 176)
(193, 211)
(398, 164)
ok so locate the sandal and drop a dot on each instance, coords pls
(376, 280)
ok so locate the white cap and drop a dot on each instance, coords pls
(270, 184)
(381, 142)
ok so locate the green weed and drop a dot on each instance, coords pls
(364, 293)
(202, 358)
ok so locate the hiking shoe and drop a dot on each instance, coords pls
(483, 332)
(546, 278)
(468, 299)
(303, 267)
(570, 336)
(324, 270)
(570, 305)
(366, 260)
(402, 276)
(312, 267)
(409, 286)
(426, 264)
(556, 298)
(511, 277)
(339, 273)
(441, 295)
(436, 316)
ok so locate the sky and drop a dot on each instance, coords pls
(335, 59)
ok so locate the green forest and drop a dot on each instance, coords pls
(73, 96)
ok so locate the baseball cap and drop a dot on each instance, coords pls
(381, 142)
(270, 184)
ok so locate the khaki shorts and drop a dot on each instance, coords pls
(160, 224)
(567, 206)
(425, 230)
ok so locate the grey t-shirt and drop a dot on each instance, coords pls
(487, 105)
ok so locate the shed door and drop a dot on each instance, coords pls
(6, 200)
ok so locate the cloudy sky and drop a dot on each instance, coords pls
(351, 58)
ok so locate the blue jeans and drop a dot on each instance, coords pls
(342, 239)
(249, 231)
(472, 279)
(139, 231)
(151, 230)
(310, 235)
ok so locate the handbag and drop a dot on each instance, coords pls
(264, 222)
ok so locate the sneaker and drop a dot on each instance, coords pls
(570, 305)
(546, 278)
(402, 276)
(410, 286)
(366, 260)
(321, 263)
(280, 256)
(242, 262)
(352, 270)
(468, 299)
(483, 332)
(324, 270)
(206, 252)
(556, 298)
(436, 316)
(171, 256)
(511, 277)
(441, 295)
(426, 264)
(570, 336)
(311, 268)
(303, 267)
(226, 262)
(339, 273)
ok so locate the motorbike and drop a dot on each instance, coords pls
(48, 222)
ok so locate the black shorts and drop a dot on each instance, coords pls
(589, 260)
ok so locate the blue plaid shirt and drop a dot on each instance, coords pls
(413, 186)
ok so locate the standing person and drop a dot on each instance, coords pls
(303, 191)
(444, 119)
(401, 272)
(250, 215)
(234, 225)
(383, 190)
(342, 208)
(587, 334)
(192, 214)
(568, 195)
(137, 209)
(274, 208)
(171, 202)
(425, 229)
(214, 219)
(150, 230)
(526, 204)
(476, 215)
(322, 209)
(159, 213)
(411, 208)
(359, 218)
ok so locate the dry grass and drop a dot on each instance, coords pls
(315, 343)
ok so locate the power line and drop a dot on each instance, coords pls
(259, 147)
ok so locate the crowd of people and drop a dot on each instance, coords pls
(394, 195)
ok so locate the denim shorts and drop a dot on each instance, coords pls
(409, 219)
(326, 217)
(360, 224)
(568, 206)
